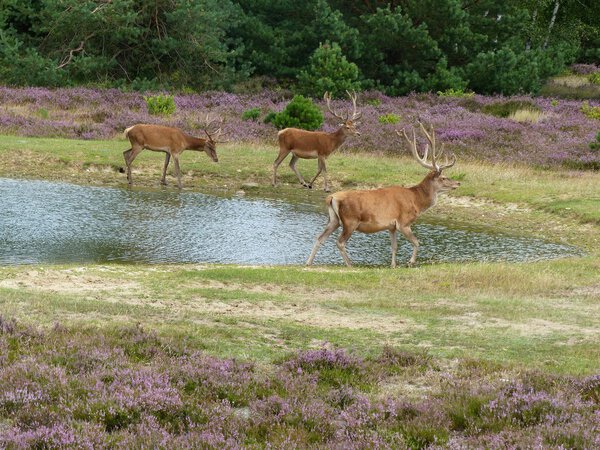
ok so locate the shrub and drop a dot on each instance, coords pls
(459, 93)
(389, 118)
(251, 114)
(270, 117)
(594, 78)
(593, 112)
(301, 112)
(160, 104)
(595, 145)
(43, 113)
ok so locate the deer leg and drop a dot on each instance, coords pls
(297, 172)
(325, 180)
(320, 168)
(129, 156)
(164, 175)
(177, 170)
(332, 225)
(394, 246)
(341, 242)
(283, 152)
(408, 234)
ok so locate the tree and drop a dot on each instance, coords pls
(328, 70)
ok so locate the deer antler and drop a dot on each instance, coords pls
(212, 127)
(355, 115)
(434, 153)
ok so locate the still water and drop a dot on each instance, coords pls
(47, 222)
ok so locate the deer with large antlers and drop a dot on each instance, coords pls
(316, 144)
(172, 141)
(393, 208)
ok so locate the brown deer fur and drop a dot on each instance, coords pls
(310, 145)
(393, 208)
(315, 144)
(170, 140)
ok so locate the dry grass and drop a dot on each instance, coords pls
(572, 81)
(527, 116)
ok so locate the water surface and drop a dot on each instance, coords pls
(49, 222)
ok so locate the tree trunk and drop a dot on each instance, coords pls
(552, 20)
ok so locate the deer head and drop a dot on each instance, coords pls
(212, 128)
(440, 182)
(348, 123)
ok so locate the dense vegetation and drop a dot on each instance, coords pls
(396, 47)
(523, 130)
(132, 389)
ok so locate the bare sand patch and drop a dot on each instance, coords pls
(307, 314)
(67, 281)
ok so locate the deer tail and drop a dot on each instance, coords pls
(333, 206)
(126, 133)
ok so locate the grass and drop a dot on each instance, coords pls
(439, 344)
(527, 115)
(540, 315)
(571, 86)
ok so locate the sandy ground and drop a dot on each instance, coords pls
(321, 308)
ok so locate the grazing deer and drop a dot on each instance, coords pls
(315, 144)
(170, 140)
(393, 208)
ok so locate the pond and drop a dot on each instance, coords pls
(49, 222)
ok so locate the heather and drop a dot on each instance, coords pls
(128, 387)
(475, 128)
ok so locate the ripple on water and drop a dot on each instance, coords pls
(47, 222)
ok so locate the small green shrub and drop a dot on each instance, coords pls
(160, 104)
(595, 145)
(389, 118)
(373, 102)
(251, 114)
(270, 117)
(554, 102)
(459, 93)
(43, 113)
(301, 112)
(594, 78)
(593, 112)
(505, 109)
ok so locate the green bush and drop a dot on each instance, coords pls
(459, 93)
(301, 112)
(505, 109)
(329, 71)
(595, 145)
(160, 104)
(593, 112)
(594, 78)
(389, 118)
(270, 117)
(251, 114)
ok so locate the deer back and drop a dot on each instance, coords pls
(158, 137)
(295, 138)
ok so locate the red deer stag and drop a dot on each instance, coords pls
(172, 141)
(315, 144)
(393, 208)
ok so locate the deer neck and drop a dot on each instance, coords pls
(194, 143)
(339, 137)
(425, 193)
